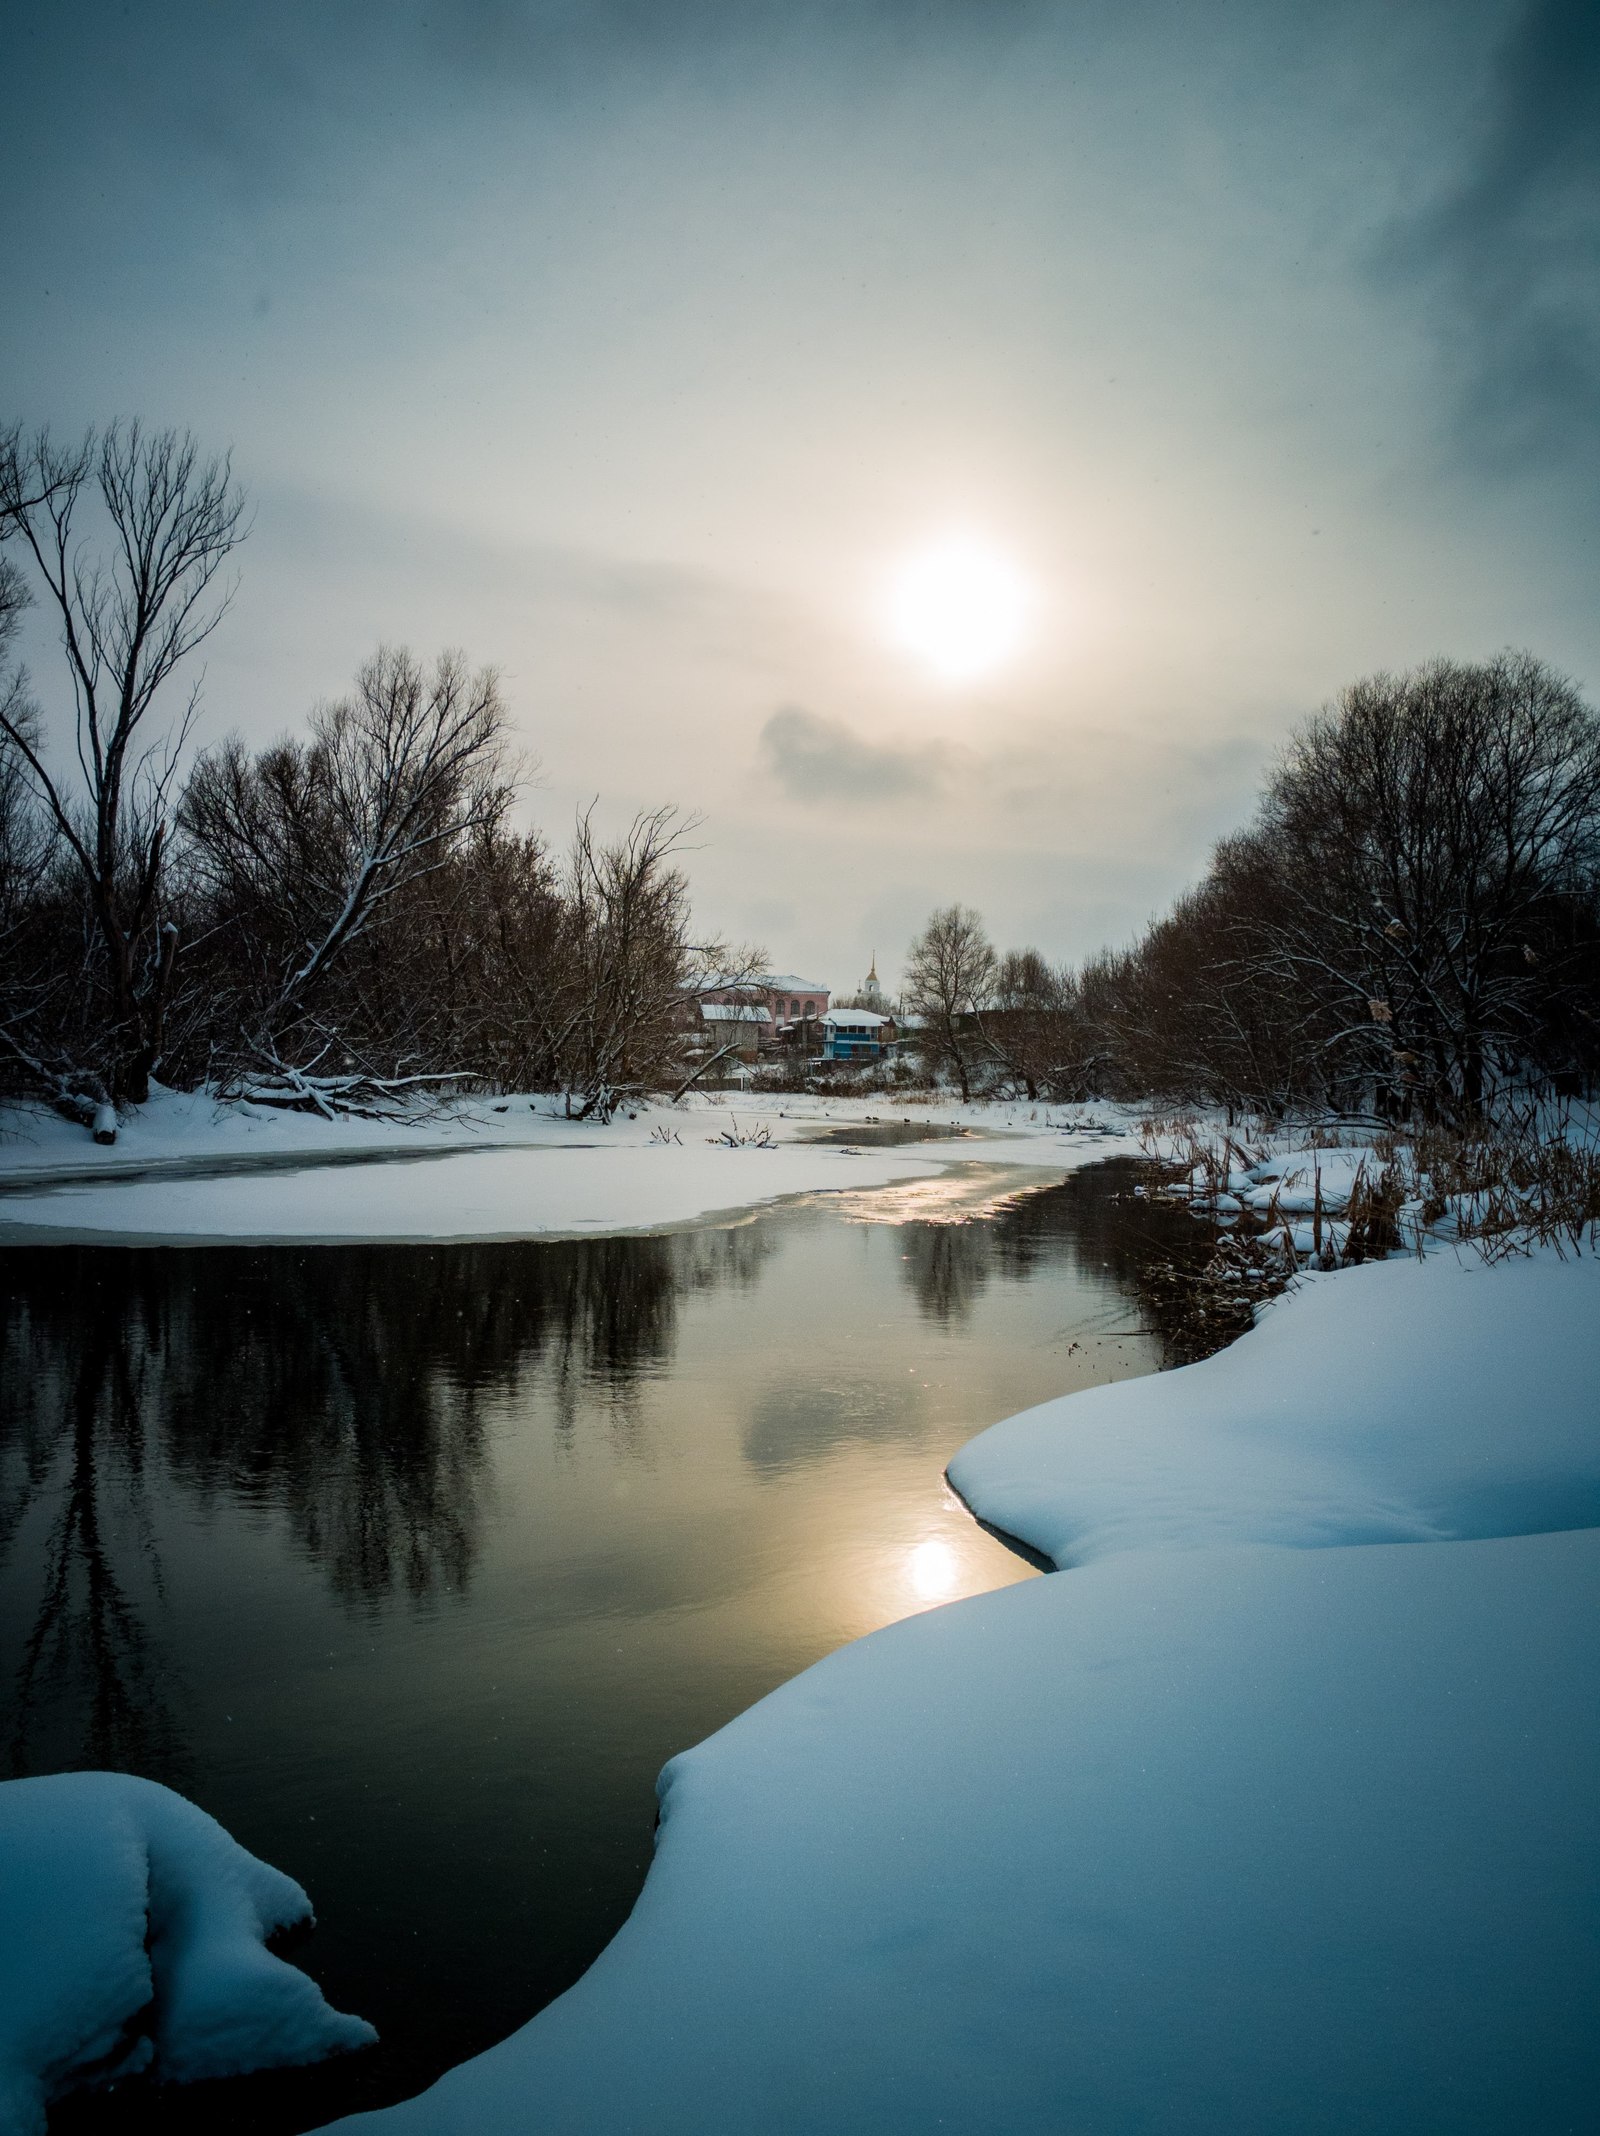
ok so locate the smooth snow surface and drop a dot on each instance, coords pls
(1208, 1837)
(1400, 1401)
(131, 1937)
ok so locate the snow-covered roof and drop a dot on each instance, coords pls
(854, 1019)
(733, 1012)
(763, 982)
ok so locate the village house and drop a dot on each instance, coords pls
(857, 1035)
(772, 1005)
(781, 1009)
(743, 1026)
(791, 999)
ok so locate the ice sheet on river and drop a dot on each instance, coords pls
(131, 1937)
(217, 1174)
(1208, 1835)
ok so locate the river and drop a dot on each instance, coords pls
(414, 1564)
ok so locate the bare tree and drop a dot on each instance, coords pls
(622, 1012)
(132, 606)
(1430, 838)
(27, 977)
(1029, 1020)
(1412, 921)
(309, 851)
(501, 927)
(950, 975)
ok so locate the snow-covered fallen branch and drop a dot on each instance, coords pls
(76, 1094)
(371, 1097)
(735, 1137)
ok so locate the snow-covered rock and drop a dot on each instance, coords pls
(132, 1937)
(1293, 1182)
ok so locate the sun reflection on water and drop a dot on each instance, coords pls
(965, 1194)
(933, 1569)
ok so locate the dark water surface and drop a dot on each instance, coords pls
(413, 1564)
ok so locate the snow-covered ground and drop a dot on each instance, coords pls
(188, 1170)
(131, 1937)
(1276, 1815)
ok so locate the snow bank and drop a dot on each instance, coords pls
(1240, 1841)
(1399, 1401)
(131, 1937)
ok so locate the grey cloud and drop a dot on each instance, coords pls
(816, 759)
(1511, 258)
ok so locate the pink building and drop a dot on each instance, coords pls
(786, 997)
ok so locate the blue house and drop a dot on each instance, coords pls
(856, 1035)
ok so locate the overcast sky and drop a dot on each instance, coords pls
(631, 346)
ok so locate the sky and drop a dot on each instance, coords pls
(635, 345)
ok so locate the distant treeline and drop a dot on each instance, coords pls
(340, 920)
(1411, 924)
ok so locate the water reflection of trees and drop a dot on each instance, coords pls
(88, 1674)
(1093, 1219)
(947, 1265)
(346, 1388)
(791, 1425)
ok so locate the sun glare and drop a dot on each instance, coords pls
(960, 607)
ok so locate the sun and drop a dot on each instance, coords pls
(961, 607)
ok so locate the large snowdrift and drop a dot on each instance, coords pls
(131, 1937)
(1210, 1835)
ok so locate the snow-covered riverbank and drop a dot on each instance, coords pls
(1277, 1815)
(186, 1170)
